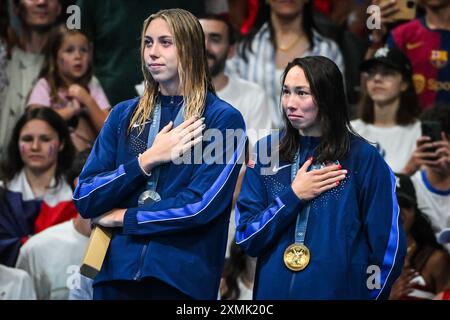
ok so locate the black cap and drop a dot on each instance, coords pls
(391, 57)
(406, 193)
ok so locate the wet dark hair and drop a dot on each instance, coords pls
(232, 35)
(14, 163)
(409, 108)
(263, 16)
(327, 88)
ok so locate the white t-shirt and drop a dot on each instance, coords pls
(251, 100)
(433, 203)
(15, 284)
(52, 257)
(396, 144)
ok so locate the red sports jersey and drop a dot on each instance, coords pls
(428, 52)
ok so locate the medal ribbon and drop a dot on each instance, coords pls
(152, 182)
(302, 217)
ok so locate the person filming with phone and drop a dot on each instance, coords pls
(431, 164)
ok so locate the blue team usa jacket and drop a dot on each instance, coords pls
(181, 239)
(351, 227)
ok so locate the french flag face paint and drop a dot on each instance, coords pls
(51, 151)
(23, 148)
(26, 145)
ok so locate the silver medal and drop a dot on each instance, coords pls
(148, 197)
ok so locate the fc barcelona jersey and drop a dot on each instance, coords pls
(428, 51)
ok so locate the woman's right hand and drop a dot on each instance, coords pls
(309, 184)
(171, 143)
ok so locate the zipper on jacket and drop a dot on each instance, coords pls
(291, 285)
(141, 260)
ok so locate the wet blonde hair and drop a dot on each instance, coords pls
(192, 68)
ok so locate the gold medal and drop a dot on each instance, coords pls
(296, 257)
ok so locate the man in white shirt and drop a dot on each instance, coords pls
(53, 256)
(249, 98)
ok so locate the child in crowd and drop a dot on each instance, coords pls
(66, 84)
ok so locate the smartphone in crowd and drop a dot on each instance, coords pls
(406, 9)
(432, 129)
